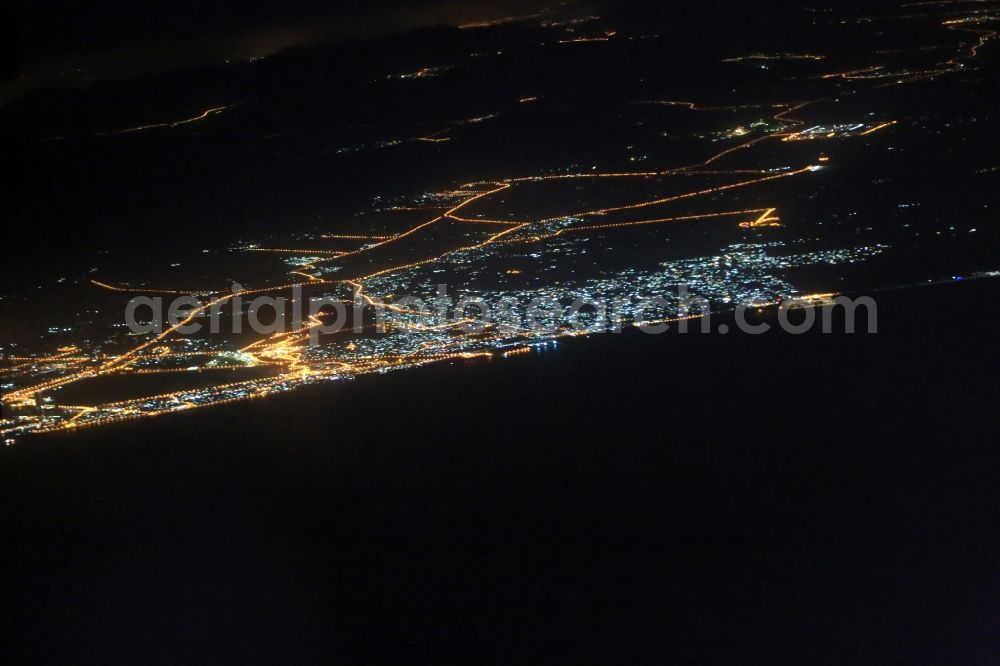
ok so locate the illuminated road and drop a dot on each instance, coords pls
(288, 353)
(176, 123)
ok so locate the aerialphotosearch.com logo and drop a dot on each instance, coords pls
(546, 314)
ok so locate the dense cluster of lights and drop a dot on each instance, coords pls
(751, 271)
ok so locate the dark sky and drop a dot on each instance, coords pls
(109, 38)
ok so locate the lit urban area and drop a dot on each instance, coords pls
(500, 332)
(800, 185)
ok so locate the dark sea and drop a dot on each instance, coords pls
(675, 499)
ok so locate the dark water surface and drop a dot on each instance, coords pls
(684, 500)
